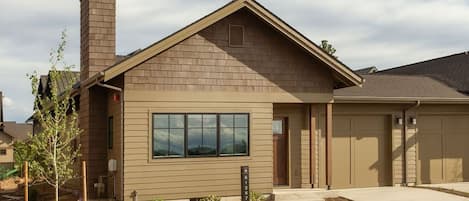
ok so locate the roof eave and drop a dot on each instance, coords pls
(396, 100)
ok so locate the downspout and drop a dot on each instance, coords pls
(404, 136)
(121, 93)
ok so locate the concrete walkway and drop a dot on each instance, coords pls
(462, 186)
(366, 194)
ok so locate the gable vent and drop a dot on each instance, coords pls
(236, 35)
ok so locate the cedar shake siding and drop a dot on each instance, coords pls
(266, 63)
(203, 74)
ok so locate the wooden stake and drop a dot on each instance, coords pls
(84, 193)
(26, 181)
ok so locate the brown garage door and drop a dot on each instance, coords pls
(443, 148)
(361, 151)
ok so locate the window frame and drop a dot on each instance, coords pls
(3, 152)
(110, 132)
(186, 133)
(153, 135)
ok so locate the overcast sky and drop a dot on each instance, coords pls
(365, 33)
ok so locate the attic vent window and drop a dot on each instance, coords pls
(236, 35)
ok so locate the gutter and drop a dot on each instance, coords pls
(121, 94)
(406, 100)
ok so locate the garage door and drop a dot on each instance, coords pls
(443, 148)
(361, 151)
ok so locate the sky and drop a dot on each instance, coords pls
(379, 33)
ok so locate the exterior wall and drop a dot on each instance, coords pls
(192, 177)
(114, 110)
(93, 121)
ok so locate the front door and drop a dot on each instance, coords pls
(280, 151)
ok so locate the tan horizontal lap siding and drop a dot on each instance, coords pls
(194, 177)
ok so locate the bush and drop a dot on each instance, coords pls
(211, 198)
(253, 196)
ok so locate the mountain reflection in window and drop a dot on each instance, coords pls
(168, 135)
(202, 134)
(234, 134)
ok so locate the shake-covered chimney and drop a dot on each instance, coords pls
(98, 36)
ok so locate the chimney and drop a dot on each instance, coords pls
(98, 36)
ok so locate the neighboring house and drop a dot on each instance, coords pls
(9, 133)
(240, 87)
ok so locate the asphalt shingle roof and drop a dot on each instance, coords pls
(452, 70)
(399, 86)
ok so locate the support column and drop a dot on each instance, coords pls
(329, 145)
(313, 118)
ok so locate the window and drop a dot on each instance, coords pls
(236, 35)
(110, 132)
(168, 135)
(198, 135)
(3, 152)
(234, 134)
(202, 134)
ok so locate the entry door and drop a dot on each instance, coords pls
(280, 151)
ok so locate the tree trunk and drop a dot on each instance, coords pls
(56, 192)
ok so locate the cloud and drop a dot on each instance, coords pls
(378, 33)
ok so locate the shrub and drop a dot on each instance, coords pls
(253, 196)
(211, 198)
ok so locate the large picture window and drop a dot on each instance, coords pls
(198, 135)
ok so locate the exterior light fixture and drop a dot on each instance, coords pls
(399, 121)
(413, 121)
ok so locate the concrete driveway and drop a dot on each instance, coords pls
(396, 194)
(462, 186)
(366, 194)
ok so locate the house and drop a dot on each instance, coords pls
(240, 87)
(9, 133)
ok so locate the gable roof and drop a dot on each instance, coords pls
(396, 88)
(342, 72)
(453, 70)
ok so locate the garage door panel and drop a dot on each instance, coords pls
(430, 159)
(363, 159)
(443, 148)
(341, 177)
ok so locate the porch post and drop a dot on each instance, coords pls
(329, 145)
(312, 143)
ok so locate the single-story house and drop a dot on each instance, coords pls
(240, 87)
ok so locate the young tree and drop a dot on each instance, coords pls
(53, 146)
(328, 48)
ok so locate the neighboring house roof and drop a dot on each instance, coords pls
(64, 79)
(342, 73)
(400, 88)
(19, 131)
(452, 70)
(366, 71)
